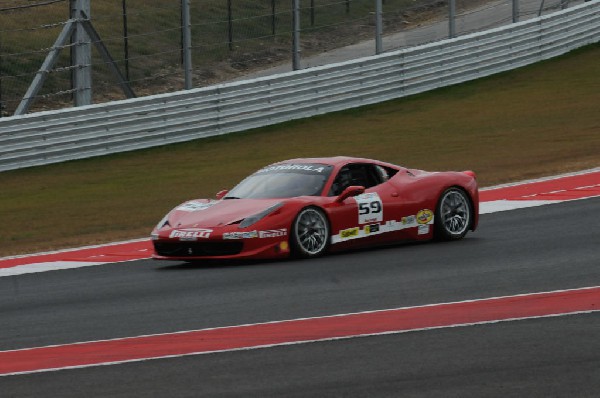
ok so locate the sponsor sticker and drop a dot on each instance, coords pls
(372, 228)
(425, 216)
(410, 220)
(284, 247)
(190, 234)
(287, 167)
(349, 233)
(195, 206)
(240, 235)
(423, 229)
(273, 233)
(370, 208)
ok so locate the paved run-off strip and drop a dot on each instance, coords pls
(556, 189)
(298, 331)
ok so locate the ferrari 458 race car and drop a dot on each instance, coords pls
(306, 207)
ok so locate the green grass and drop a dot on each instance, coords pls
(535, 121)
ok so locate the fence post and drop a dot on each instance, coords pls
(296, 34)
(273, 16)
(378, 26)
(81, 56)
(67, 32)
(187, 44)
(229, 25)
(451, 18)
(125, 39)
(1, 104)
(541, 8)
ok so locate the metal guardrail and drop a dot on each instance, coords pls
(56, 136)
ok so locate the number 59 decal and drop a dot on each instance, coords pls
(370, 208)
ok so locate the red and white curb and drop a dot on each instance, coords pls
(76, 258)
(299, 331)
(585, 184)
(557, 189)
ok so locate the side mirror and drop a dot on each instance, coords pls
(222, 193)
(352, 190)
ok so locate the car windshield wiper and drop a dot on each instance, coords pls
(231, 197)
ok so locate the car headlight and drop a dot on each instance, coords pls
(248, 221)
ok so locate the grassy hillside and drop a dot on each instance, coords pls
(535, 121)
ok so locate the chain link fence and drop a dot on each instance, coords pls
(229, 39)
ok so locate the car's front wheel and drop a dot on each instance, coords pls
(453, 215)
(310, 233)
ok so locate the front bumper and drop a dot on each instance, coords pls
(219, 248)
(197, 249)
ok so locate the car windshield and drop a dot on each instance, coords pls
(283, 181)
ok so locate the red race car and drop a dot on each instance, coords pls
(306, 207)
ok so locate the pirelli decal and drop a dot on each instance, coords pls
(420, 221)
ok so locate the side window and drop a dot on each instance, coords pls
(384, 173)
(341, 182)
(362, 174)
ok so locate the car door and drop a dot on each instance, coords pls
(363, 218)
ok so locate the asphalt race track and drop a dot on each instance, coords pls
(538, 249)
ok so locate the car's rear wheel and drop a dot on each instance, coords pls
(454, 215)
(310, 233)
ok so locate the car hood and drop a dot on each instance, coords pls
(215, 213)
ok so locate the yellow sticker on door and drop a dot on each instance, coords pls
(349, 233)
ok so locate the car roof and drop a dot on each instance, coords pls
(337, 161)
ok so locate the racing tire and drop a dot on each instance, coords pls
(453, 216)
(310, 233)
